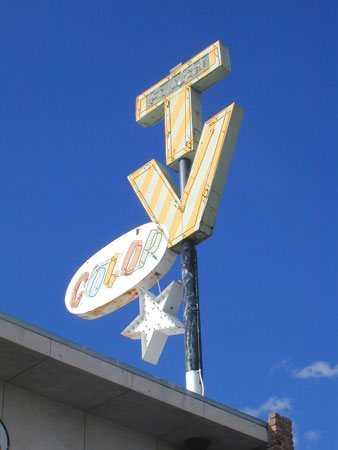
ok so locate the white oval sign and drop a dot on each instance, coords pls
(111, 278)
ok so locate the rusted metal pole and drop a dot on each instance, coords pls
(191, 311)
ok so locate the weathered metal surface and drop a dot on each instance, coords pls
(200, 72)
(191, 310)
(111, 278)
(177, 98)
(191, 315)
(183, 125)
(194, 213)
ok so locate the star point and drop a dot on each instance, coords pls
(157, 320)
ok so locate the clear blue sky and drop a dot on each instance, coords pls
(70, 73)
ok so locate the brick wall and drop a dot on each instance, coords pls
(280, 433)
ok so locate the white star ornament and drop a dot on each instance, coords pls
(157, 320)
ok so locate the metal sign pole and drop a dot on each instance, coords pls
(191, 311)
(118, 273)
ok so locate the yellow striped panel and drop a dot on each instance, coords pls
(200, 72)
(195, 213)
(177, 114)
(183, 125)
(163, 197)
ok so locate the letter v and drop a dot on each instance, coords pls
(195, 213)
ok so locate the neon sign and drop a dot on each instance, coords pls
(111, 278)
(210, 149)
(130, 265)
(194, 214)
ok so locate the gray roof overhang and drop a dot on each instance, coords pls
(57, 369)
